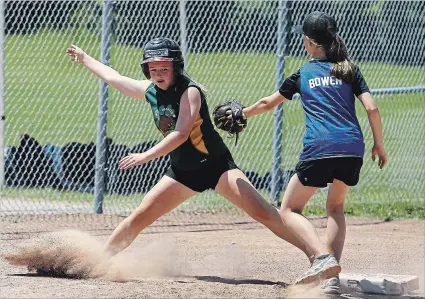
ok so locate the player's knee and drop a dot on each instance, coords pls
(335, 207)
(285, 211)
(135, 221)
(261, 215)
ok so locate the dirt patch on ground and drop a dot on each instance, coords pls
(194, 256)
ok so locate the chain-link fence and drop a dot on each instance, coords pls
(56, 112)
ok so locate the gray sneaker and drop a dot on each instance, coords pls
(323, 267)
(331, 286)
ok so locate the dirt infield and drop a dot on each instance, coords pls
(237, 258)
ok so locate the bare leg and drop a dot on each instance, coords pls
(235, 186)
(336, 227)
(166, 195)
(294, 200)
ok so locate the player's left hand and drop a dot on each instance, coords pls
(229, 117)
(132, 160)
(382, 155)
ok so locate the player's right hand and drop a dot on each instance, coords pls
(76, 54)
(379, 150)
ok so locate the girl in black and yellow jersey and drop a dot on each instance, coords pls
(199, 158)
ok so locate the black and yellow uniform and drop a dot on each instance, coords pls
(200, 161)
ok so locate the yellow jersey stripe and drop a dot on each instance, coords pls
(196, 136)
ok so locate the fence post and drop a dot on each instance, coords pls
(2, 100)
(183, 31)
(103, 109)
(281, 52)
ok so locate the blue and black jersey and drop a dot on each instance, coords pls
(204, 142)
(332, 127)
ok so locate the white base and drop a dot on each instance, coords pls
(378, 283)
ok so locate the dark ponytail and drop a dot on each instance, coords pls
(342, 67)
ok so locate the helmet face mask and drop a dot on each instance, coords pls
(162, 49)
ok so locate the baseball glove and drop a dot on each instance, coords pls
(229, 117)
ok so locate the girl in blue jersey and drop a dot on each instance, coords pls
(333, 141)
(199, 158)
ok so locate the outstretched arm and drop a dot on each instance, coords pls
(133, 88)
(264, 105)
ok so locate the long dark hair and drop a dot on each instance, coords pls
(342, 66)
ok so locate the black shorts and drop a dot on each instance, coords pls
(207, 176)
(318, 173)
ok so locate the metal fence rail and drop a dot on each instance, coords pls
(61, 134)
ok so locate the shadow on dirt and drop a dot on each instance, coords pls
(239, 281)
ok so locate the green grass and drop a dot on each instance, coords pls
(56, 102)
(210, 201)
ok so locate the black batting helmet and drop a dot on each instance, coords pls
(162, 49)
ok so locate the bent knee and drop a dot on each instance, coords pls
(284, 211)
(133, 220)
(139, 220)
(285, 214)
(335, 207)
(263, 214)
